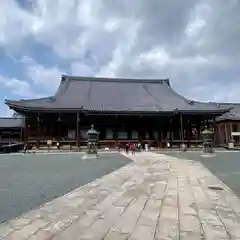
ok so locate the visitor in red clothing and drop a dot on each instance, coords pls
(132, 148)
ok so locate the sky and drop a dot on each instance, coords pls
(194, 43)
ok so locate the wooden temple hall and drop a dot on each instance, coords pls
(122, 110)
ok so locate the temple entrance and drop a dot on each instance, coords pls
(158, 131)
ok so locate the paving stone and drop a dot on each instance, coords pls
(5, 230)
(124, 200)
(101, 226)
(108, 201)
(158, 190)
(76, 228)
(167, 229)
(171, 200)
(214, 232)
(19, 223)
(92, 215)
(190, 223)
(155, 197)
(210, 217)
(41, 235)
(126, 223)
(143, 232)
(28, 230)
(169, 212)
(190, 236)
(147, 222)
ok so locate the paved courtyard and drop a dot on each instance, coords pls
(27, 181)
(154, 197)
(224, 164)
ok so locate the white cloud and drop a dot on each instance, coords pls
(9, 113)
(195, 27)
(128, 38)
(112, 24)
(198, 20)
(15, 23)
(48, 78)
(191, 43)
(18, 87)
(74, 22)
(81, 69)
(155, 58)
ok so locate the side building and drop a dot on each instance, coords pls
(122, 110)
(11, 130)
(228, 124)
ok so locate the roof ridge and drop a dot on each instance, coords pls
(125, 80)
(230, 103)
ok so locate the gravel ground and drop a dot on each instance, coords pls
(225, 165)
(27, 181)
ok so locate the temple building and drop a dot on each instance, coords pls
(122, 110)
(228, 124)
(11, 130)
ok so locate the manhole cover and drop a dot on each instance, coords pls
(215, 188)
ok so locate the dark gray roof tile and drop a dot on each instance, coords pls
(106, 94)
(232, 114)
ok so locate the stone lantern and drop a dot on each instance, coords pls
(208, 139)
(92, 140)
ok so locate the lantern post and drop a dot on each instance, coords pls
(92, 140)
(208, 136)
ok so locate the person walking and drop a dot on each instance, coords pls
(127, 148)
(139, 146)
(132, 148)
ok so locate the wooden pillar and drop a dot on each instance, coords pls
(115, 134)
(218, 133)
(188, 131)
(220, 138)
(231, 130)
(226, 134)
(170, 131)
(59, 127)
(159, 133)
(38, 124)
(181, 128)
(21, 134)
(25, 138)
(161, 142)
(214, 131)
(38, 129)
(77, 131)
(197, 132)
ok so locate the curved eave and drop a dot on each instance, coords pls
(223, 119)
(20, 108)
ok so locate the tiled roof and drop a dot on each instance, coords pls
(232, 114)
(11, 122)
(114, 95)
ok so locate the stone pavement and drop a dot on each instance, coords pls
(154, 197)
